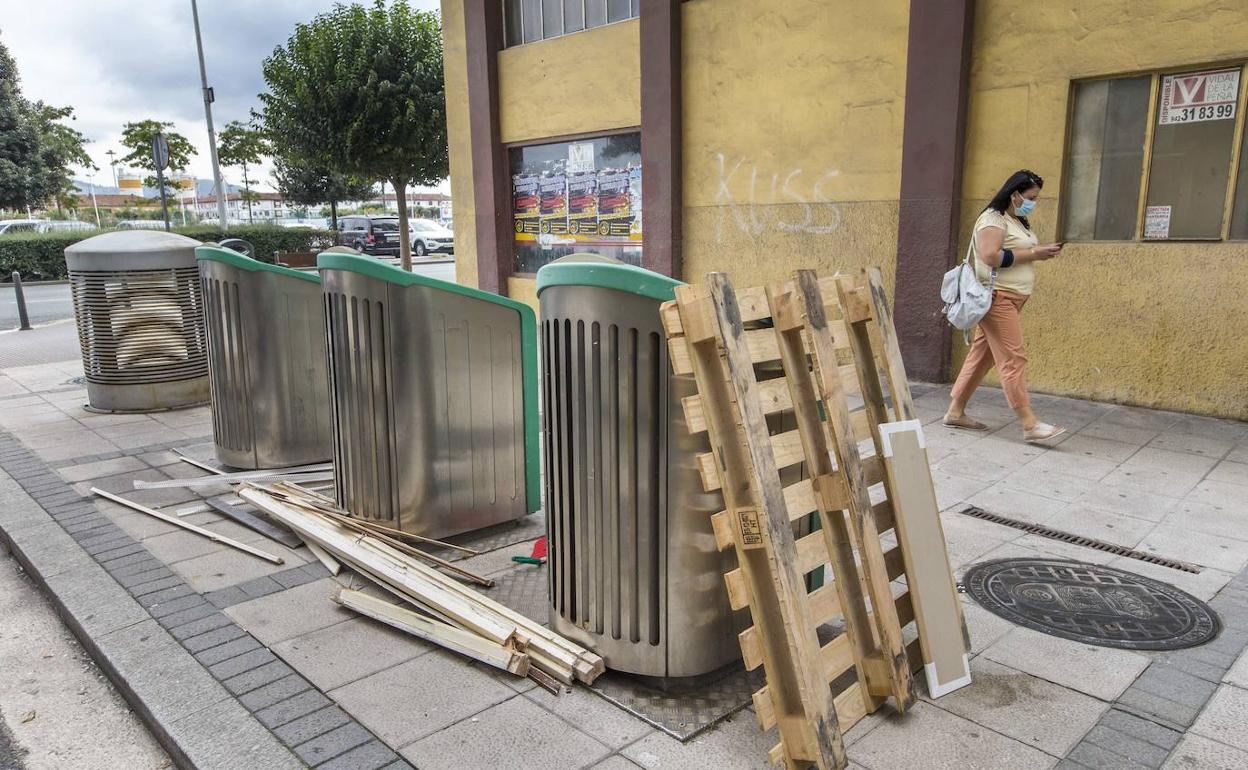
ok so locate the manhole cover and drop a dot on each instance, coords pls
(1092, 604)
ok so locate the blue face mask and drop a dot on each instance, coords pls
(1025, 208)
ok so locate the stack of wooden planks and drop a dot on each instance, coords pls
(833, 339)
(462, 619)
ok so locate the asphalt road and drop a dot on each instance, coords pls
(44, 302)
(52, 302)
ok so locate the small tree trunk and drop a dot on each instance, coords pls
(247, 195)
(333, 216)
(405, 245)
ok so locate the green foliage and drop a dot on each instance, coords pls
(360, 90)
(43, 254)
(242, 144)
(137, 138)
(36, 149)
(304, 182)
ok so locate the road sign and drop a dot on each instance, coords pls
(160, 152)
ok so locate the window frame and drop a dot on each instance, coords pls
(1157, 74)
(634, 13)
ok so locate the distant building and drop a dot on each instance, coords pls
(265, 207)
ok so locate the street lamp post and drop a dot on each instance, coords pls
(112, 161)
(212, 137)
(94, 205)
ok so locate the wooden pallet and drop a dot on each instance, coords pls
(833, 338)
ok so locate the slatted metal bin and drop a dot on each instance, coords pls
(266, 346)
(140, 320)
(634, 571)
(434, 394)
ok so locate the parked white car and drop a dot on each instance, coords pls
(70, 224)
(429, 237)
(141, 224)
(11, 226)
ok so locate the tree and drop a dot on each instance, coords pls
(137, 138)
(303, 182)
(60, 147)
(360, 91)
(241, 144)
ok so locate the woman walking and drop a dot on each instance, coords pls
(1003, 240)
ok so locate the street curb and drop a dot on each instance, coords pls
(193, 717)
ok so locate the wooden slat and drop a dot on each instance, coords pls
(751, 648)
(753, 307)
(721, 525)
(887, 348)
(825, 605)
(738, 433)
(786, 449)
(738, 593)
(851, 707)
(873, 566)
(812, 552)
(776, 398)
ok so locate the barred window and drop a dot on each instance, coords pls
(527, 21)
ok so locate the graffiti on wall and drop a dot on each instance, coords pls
(757, 200)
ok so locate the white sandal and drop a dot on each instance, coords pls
(1042, 431)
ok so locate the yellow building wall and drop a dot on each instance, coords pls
(575, 84)
(793, 115)
(455, 72)
(1154, 324)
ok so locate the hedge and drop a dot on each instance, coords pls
(41, 256)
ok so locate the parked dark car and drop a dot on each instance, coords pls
(376, 235)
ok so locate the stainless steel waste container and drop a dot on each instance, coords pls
(434, 393)
(140, 320)
(266, 347)
(634, 572)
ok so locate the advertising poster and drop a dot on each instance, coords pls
(525, 203)
(1195, 97)
(583, 203)
(1157, 222)
(580, 157)
(634, 201)
(553, 191)
(615, 215)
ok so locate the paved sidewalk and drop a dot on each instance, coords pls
(295, 673)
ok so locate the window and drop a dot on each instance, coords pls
(577, 197)
(1174, 139)
(527, 21)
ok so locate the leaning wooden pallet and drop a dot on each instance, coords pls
(711, 339)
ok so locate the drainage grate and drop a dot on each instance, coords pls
(1086, 542)
(1092, 604)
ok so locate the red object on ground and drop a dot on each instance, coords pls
(539, 548)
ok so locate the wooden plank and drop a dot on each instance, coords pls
(208, 533)
(887, 348)
(255, 523)
(833, 542)
(929, 576)
(861, 519)
(330, 563)
(786, 450)
(738, 593)
(754, 307)
(851, 707)
(442, 634)
(738, 432)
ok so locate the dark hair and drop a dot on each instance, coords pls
(1018, 182)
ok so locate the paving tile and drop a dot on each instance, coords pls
(1161, 481)
(1202, 585)
(213, 638)
(1016, 504)
(1175, 684)
(227, 567)
(1128, 501)
(333, 743)
(594, 715)
(331, 657)
(420, 697)
(1197, 753)
(1138, 436)
(516, 734)
(274, 692)
(373, 755)
(1079, 519)
(1219, 520)
(1220, 493)
(1225, 717)
(1203, 446)
(240, 664)
(291, 613)
(1060, 549)
(1238, 673)
(1090, 755)
(1142, 729)
(934, 739)
(292, 708)
(619, 762)
(1211, 427)
(1168, 712)
(984, 627)
(968, 538)
(1045, 482)
(307, 727)
(98, 468)
(225, 735)
(1197, 547)
(1101, 672)
(1037, 713)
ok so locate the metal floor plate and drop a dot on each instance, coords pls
(1092, 604)
(681, 713)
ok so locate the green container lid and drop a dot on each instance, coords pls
(244, 262)
(371, 267)
(607, 275)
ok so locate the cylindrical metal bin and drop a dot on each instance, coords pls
(634, 571)
(140, 321)
(266, 344)
(434, 393)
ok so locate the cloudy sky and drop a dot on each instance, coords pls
(115, 61)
